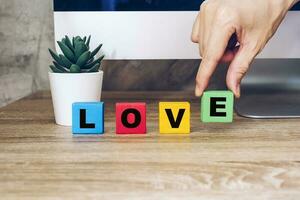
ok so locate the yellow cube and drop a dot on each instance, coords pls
(174, 117)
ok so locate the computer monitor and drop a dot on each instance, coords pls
(161, 29)
(153, 29)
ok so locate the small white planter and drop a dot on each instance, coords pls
(69, 88)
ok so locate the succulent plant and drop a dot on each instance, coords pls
(76, 57)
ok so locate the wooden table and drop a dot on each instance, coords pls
(248, 159)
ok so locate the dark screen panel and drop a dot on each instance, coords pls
(131, 5)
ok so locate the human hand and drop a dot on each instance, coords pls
(221, 24)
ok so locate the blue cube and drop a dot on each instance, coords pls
(88, 118)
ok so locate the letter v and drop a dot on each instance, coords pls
(175, 123)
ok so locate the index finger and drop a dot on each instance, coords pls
(212, 54)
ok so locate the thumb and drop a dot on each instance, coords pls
(239, 67)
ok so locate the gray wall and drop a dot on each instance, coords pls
(26, 32)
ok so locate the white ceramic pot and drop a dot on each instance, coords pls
(69, 88)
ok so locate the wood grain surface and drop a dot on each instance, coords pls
(248, 159)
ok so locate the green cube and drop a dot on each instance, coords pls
(217, 106)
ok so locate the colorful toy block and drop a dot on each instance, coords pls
(174, 117)
(131, 118)
(88, 118)
(217, 106)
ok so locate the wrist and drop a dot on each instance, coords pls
(283, 5)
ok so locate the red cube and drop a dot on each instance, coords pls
(131, 118)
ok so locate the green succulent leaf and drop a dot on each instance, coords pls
(82, 60)
(75, 69)
(55, 70)
(96, 50)
(95, 68)
(101, 58)
(61, 68)
(68, 43)
(78, 38)
(88, 42)
(66, 61)
(56, 57)
(91, 64)
(76, 57)
(80, 48)
(67, 51)
(91, 60)
(73, 42)
(75, 38)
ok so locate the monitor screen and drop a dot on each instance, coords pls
(153, 29)
(127, 5)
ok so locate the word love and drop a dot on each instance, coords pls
(174, 117)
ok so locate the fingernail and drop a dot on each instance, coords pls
(198, 92)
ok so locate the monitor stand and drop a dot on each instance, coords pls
(271, 90)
